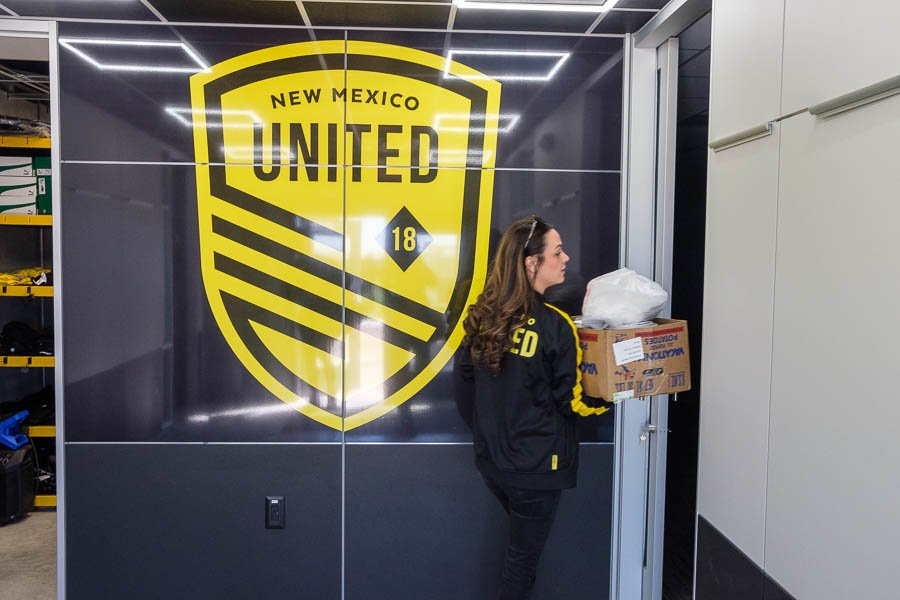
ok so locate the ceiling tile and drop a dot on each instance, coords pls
(523, 20)
(217, 11)
(657, 4)
(85, 9)
(623, 21)
(371, 14)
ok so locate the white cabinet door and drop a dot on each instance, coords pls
(737, 340)
(833, 488)
(834, 47)
(745, 73)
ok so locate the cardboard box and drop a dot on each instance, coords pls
(44, 176)
(41, 166)
(18, 186)
(18, 205)
(663, 369)
(18, 166)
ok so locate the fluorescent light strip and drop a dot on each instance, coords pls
(178, 111)
(547, 7)
(71, 44)
(561, 56)
(459, 153)
(512, 119)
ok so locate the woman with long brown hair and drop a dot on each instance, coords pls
(522, 357)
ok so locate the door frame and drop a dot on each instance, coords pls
(650, 97)
(37, 29)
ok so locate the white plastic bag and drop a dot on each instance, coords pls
(623, 297)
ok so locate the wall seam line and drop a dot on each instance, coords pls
(774, 290)
(344, 345)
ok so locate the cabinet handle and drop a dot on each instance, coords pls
(742, 137)
(871, 93)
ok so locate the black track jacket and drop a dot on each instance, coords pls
(524, 417)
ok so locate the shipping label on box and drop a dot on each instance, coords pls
(618, 364)
(16, 166)
(18, 186)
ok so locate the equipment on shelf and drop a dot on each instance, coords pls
(18, 126)
(40, 406)
(17, 483)
(40, 409)
(29, 276)
(9, 428)
(18, 338)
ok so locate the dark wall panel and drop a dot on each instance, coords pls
(575, 565)
(421, 524)
(158, 368)
(186, 521)
(773, 591)
(584, 207)
(147, 361)
(561, 101)
(724, 571)
(143, 114)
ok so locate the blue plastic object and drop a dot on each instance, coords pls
(8, 428)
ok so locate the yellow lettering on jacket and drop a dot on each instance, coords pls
(524, 342)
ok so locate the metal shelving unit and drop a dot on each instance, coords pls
(28, 220)
(39, 432)
(35, 291)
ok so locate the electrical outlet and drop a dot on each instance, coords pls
(274, 512)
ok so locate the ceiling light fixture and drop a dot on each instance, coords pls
(560, 56)
(603, 6)
(179, 111)
(460, 155)
(73, 43)
(460, 122)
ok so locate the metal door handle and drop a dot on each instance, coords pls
(646, 430)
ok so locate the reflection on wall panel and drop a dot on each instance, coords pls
(428, 527)
(187, 521)
(159, 367)
(561, 97)
(342, 220)
(135, 80)
(271, 236)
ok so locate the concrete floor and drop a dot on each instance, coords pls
(28, 557)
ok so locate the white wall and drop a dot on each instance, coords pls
(832, 512)
(745, 68)
(737, 341)
(798, 455)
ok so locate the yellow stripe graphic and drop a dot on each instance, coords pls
(322, 288)
(578, 407)
(277, 233)
(280, 306)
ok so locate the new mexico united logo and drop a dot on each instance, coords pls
(341, 234)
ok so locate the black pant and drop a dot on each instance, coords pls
(531, 514)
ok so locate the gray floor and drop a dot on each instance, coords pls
(28, 557)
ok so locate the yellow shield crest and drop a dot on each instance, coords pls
(344, 201)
